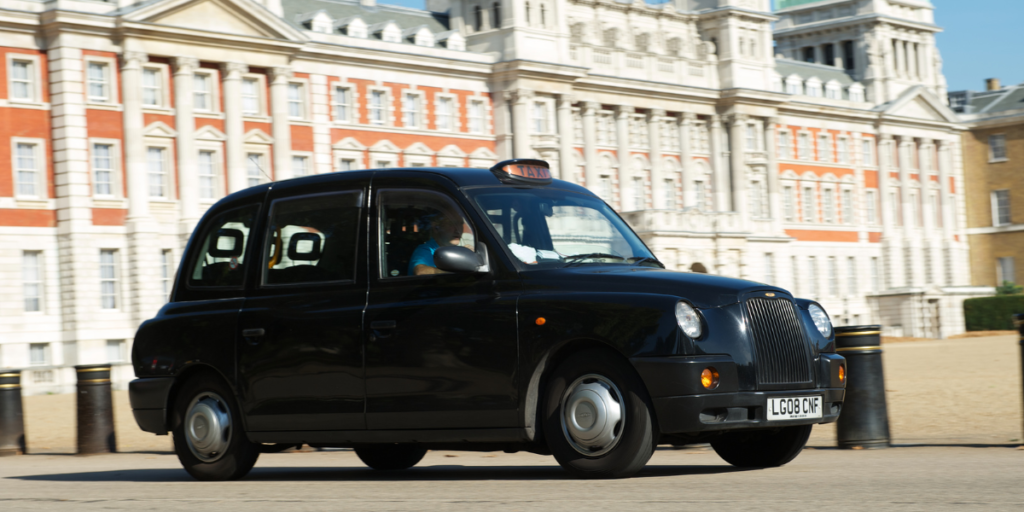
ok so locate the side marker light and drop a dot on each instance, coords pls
(709, 378)
(842, 373)
(541, 320)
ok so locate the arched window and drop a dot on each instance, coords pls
(479, 14)
(496, 17)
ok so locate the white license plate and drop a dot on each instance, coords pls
(794, 408)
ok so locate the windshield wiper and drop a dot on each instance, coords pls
(646, 259)
(578, 258)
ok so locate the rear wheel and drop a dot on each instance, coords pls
(597, 416)
(762, 448)
(208, 435)
(390, 457)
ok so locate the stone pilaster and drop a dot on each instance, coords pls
(686, 122)
(322, 160)
(234, 124)
(720, 170)
(622, 117)
(654, 117)
(566, 156)
(521, 124)
(280, 122)
(589, 112)
(738, 158)
(185, 124)
(772, 174)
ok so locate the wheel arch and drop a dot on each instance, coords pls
(186, 374)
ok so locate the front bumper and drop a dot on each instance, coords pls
(745, 409)
(149, 403)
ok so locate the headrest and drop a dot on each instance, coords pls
(227, 243)
(310, 251)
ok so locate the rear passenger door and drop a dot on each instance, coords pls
(301, 348)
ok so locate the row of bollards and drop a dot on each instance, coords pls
(95, 412)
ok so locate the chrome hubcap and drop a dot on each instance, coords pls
(593, 415)
(208, 427)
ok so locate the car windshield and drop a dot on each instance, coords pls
(552, 228)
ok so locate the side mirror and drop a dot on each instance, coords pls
(458, 259)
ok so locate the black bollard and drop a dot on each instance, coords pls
(95, 410)
(864, 421)
(1018, 320)
(12, 417)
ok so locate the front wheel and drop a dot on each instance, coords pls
(390, 457)
(597, 416)
(762, 448)
(208, 435)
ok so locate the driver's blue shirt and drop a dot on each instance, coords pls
(423, 255)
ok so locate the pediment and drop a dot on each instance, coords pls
(257, 136)
(483, 153)
(241, 17)
(349, 144)
(385, 146)
(418, 148)
(452, 150)
(210, 133)
(159, 129)
(919, 103)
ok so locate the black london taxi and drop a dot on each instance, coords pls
(394, 311)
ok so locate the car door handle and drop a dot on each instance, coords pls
(383, 325)
(253, 333)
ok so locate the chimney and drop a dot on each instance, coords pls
(992, 84)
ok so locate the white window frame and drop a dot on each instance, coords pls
(35, 87)
(843, 150)
(1001, 270)
(350, 105)
(261, 87)
(769, 268)
(302, 101)
(167, 272)
(785, 145)
(354, 165)
(828, 205)
(168, 170)
(804, 146)
(750, 135)
(307, 159)
(218, 169)
(540, 124)
(163, 93)
(109, 82)
(263, 161)
(212, 78)
(115, 280)
(871, 206)
(833, 277)
(46, 350)
(789, 203)
(851, 276)
(481, 119)
(384, 109)
(998, 208)
(808, 201)
(413, 118)
(36, 281)
(120, 346)
(846, 205)
(997, 147)
(452, 114)
(825, 148)
(40, 170)
(867, 152)
(116, 191)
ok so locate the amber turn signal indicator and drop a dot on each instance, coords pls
(709, 378)
(842, 373)
(541, 320)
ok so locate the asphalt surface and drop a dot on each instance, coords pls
(903, 478)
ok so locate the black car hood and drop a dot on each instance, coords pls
(701, 290)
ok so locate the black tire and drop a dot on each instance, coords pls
(390, 457)
(239, 455)
(762, 448)
(635, 438)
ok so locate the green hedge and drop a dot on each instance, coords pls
(992, 313)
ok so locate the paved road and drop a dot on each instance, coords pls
(910, 478)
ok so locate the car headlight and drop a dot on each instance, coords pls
(688, 319)
(821, 320)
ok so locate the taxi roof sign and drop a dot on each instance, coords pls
(524, 171)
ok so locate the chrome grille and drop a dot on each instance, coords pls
(782, 355)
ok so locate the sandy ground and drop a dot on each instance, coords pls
(963, 391)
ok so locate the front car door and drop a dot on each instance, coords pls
(301, 345)
(441, 349)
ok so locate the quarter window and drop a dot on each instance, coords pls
(221, 257)
(313, 239)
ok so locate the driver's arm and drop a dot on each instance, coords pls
(423, 270)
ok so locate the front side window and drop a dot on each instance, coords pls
(414, 224)
(997, 147)
(103, 169)
(157, 172)
(220, 259)
(550, 228)
(26, 170)
(97, 74)
(108, 279)
(313, 239)
(152, 93)
(22, 87)
(250, 96)
(295, 103)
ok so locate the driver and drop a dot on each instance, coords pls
(445, 230)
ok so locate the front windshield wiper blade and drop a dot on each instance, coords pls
(578, 258)
(646, 259)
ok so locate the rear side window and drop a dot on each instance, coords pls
(221, 260)
(313, 239)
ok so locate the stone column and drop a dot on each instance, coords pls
(885, 159)
(134, 145)
(185, 124)
(923, 176)
(234, 125)
(654, 117)
(899, 57)
(738, 154)
(722, 186)
(281, 125)
(944, 173)
(589, 112)
(774, 190)
(623, 114)
(521, 124)
(566, 134)
(686, 158)
(903, 150)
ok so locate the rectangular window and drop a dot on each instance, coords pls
(250, 96)
(103, 169)
(202, 94)
(785, 149)
(443, 115)
(751, 138)
(98, 78)
(670, 194)
(876, 276)
(381, 164)
(39, 354)
(804, 146)
(27, 171)
(22, 80)
(346, 164)
(809, 215)
(300, 166)
(1006, 271)
(32, 280)
(152, 88)
(851, 276)
(207, 174)
(639, 201)
(1000, 207)
(377, 107)
(476, 117)
(166, 271)
(897, 209)
(789, 204)
(824, 148)
(108, 279)
(795, 268)
(871, 205)
(769, 268)
(833, 277)
(847, 206)
(701, 192)
(254, 169)
(866, 155)
(296, 104)
(812, 277)
(411, 110)
(997, 147)
(828, 205)
(115, 351)
(843, 151)
(540, 117)
(157, 172)
(342, 104)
